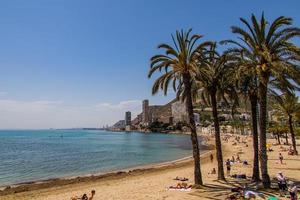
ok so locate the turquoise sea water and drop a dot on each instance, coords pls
(30, 155)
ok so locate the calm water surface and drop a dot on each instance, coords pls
(29, 155)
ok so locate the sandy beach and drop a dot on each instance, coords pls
(152, 182)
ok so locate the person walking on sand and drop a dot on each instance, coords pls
(228, 166)
(293, 190)
(233, 159)
(281, 183)
(280, 158)
(211, 157)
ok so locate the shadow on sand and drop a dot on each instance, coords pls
(220, 190)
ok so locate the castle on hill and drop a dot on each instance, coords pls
(170, 113)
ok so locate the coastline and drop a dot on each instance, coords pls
(153, 182)
(109, 175)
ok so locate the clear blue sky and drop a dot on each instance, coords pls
(60, 59)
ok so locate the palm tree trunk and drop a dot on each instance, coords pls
(278, 138)
(217, 136)
(255, 171)
(293, 134)
(263, 132)
(192, 125)
(286, 139)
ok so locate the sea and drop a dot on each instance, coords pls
(34, 155)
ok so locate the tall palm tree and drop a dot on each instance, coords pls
(278, 61)
(287, 104)
(179, 66)
(249, 88)
(247, 85)
(214, 78)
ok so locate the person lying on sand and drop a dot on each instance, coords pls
(181, 178)
(291, 151)
(240, 176)
(245, 162)
(181, 186)
(249, 194)
(238, 193)
(85, 197)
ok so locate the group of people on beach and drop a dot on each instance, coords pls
(286, 186)
(233, 160)
(283, 184)
(290, 151)
(181, 185)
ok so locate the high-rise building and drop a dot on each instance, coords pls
(128, 118)
(145, 114)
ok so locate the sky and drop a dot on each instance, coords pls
(76, 63)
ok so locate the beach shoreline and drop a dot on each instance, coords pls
(107, 175)
(152, 182)
(83, 164)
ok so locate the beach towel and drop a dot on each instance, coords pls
(250, 193)
(272, 198)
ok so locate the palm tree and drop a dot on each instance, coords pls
(287, 104)
(179, 67)
(246, 78)
(214, 78)
(278, 62)
(249, 85)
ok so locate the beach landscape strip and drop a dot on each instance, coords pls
(219, 117)
(135, 185)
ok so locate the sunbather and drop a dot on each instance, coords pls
(291, 151)
(181, 186)
(85, 196)
(245, 162)
(241, 176)
(237, 194)
(181, 178)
